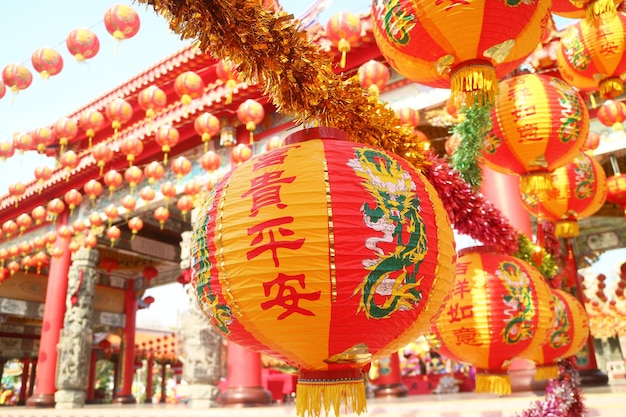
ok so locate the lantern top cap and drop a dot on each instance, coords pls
(327, 133)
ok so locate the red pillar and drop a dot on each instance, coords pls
(245, 383)
(163, 397)
(125, 396)
(149, 387)
(389, 382)
(90, 397)
(53, 315)
(25, 377)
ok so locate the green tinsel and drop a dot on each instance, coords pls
(471, 131)
(526, 248)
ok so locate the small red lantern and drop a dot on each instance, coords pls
(39, 214)
(17, 190)
(161, 214)
(135, 225)
(47, 62)
(181, 166)
(9, 228)
(17, 77)
(74, 246)
(206, 125)
(112, 179)
(274, 142)
(79, 226)
(129, 203)
(154, 171)
(13, 267)
(133, 176)
(147, 193)
(64, 232)
(113, 233)
(149, 273)
(121, 21)
(5, 273)
(41, 260)
(408, 116)
(65, 129)
(118, 111)
(93, 189)
(241, 153)
(42, 138)
(55, 208)
(188, 86)
(616, 190)
(344, 31)
(184, 204)
(91, 121)
(131, 147)
(151, 99)
(73, 199)
(91, 241)
(14, 251)
(50, 238)
(167, 137)
(168, 189)
(612, 114)
(373, 76)
(102, 153)
(250, 113)
(23, 142)
(24, 221)
(6, 150)
(592, 142)
(452, 143)
(192, 188)
(210, 161)
(83, 44)
(69, 161)
(111, 212)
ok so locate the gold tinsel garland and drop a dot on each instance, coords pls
(270, 50)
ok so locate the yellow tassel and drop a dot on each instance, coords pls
(611, 88)
(567, 228)
(314, 394)
(344, 47)
(618, 127)
(494, 384)
(545, 372)
(599, 9)
(473, 83)
(538, 184)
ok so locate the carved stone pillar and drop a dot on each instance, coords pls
(74, 346)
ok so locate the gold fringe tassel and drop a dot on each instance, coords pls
(618, 127)
(611, 88)
(473, 83)
(538, 184)
(599, 9)
(545, 372)
(566, 228)
(493, 384)
(312, 396)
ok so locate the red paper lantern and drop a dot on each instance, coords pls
(154, 171)
(373, 76)
(55, 208)
(147, 194)
(73, 199)
(3, 89)
(184, 204)
(65, 129)
(151, 99)
(83, 44)
(121, 21)
(343, 29)
(102, 153)
(168, 189)
(39, 214)
(119, 111)
(250, 113)
(113, 233)
(24, 221)
(135, 225)
(192, 188)
(539, 124)
(206, 125)
(5, 274)
(93, 189)
(274, 142)
(612, 114)
(51, 237)
(16, 190)
(79, 226)
(64, 232)
(616, 190)
(210, 161)
(95, 220)
(181, 166)
(161, 214)
(422, 41)
(42, 138)
(499, 307)
(226, 73)
(69, 161)
(133, 177)
(129, 203)
(47, 62)
(112, 179)
(188, 86)
(452, 144)
(13, 267)
(17, 77)
(41, 260)
(23, 142)
(269, 242)
(408, 116)
(166, 137)
(91, 121)
(6, 150)
(592, 142)
(14, 251)
(241, 153)
(132, 147)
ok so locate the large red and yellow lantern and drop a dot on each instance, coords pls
(568, 335)
(102, 153)
(357, 268)
(250, 113)
(118, 111)
(65, 129)
(344, 31)
(17, 77)
(422, 41)
(612, 114)
(592, 57)
(91, 121)
(154, 171)
(373, 76)
(47, 62)
(83, 44)
(499, 307)
(151, 99)
(539, 124)
(616, 190)
(206, 125)
(42, 138)
(166, 137)
(578, 190)
(188, 86)
(121, 21)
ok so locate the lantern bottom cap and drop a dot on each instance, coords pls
(499, 383)
(328, 390)
(546, 372)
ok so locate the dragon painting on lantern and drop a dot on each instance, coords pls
(392, 282)
(521, 309)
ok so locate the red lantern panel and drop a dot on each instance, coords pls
(121, 21)
(83, 44)
(47, 62)
(17, 77)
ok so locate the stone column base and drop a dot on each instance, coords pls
(125, 399)
(246, 397)
(69, 399)
(391, 390)
(202, 396)
(40, 401)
